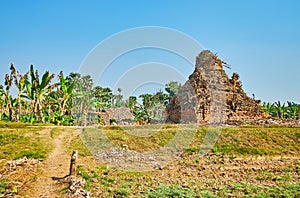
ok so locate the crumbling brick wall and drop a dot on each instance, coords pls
(210, 97)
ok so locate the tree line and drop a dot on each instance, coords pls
(289, 110)
(74, 100)
(71, 99)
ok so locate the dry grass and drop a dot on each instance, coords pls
(256, 161)
(18, 142)
(243, 141)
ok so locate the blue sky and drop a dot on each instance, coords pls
(259, 39)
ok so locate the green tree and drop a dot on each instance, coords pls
(19, 81)
(161, 98)
(172, 88)
(8, 108)
(82, 100)
(280, 109)
(2, 94)
(143, 111)
(103, 97)
(132, 102)
(59, 103)
(269, 108)
(293, 110)
(159, 103)
(141, 114)
(65, 91)
(147, 100)
(37, 89)
(117, 100)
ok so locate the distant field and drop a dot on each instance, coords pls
(245, 161)
(250, 140)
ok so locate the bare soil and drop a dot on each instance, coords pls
(47, 178)
(213, 173)
(55, 168)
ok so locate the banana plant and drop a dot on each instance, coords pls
(269, 108)
(132, 102)
(7, 97)
(2, 93)
(147, 100)
(293, 110)
(65, 92)
(141, 115)
(37, 89)
(280, 109)
(19, 81)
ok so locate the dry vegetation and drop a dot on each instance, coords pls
(246, 161)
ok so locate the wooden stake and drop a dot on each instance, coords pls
(73, 163)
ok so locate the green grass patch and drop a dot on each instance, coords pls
(171, 191)
(138, 138)
(19, 142)
(3, 184)
(122, 192)
(78, 145)
(257, 141)
(13, 124)
(192, 150)
(55, 132)
(245, 189)
(238, 141)
(87, 176)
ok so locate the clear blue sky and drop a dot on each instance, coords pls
(259, 39)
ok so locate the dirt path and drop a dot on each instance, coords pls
(209, 173)
(55, 168)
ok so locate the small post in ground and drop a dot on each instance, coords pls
(73, 163)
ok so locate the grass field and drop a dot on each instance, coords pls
(18, 142)
(252, 161)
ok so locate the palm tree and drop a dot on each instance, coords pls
(87, 103)
(82, 100)
(172, 88)
(103, 97)
(147, 103)
(159, 102)
(117, 100)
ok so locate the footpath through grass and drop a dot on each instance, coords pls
(245, 161)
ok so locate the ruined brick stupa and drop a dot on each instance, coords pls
(210, 97)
